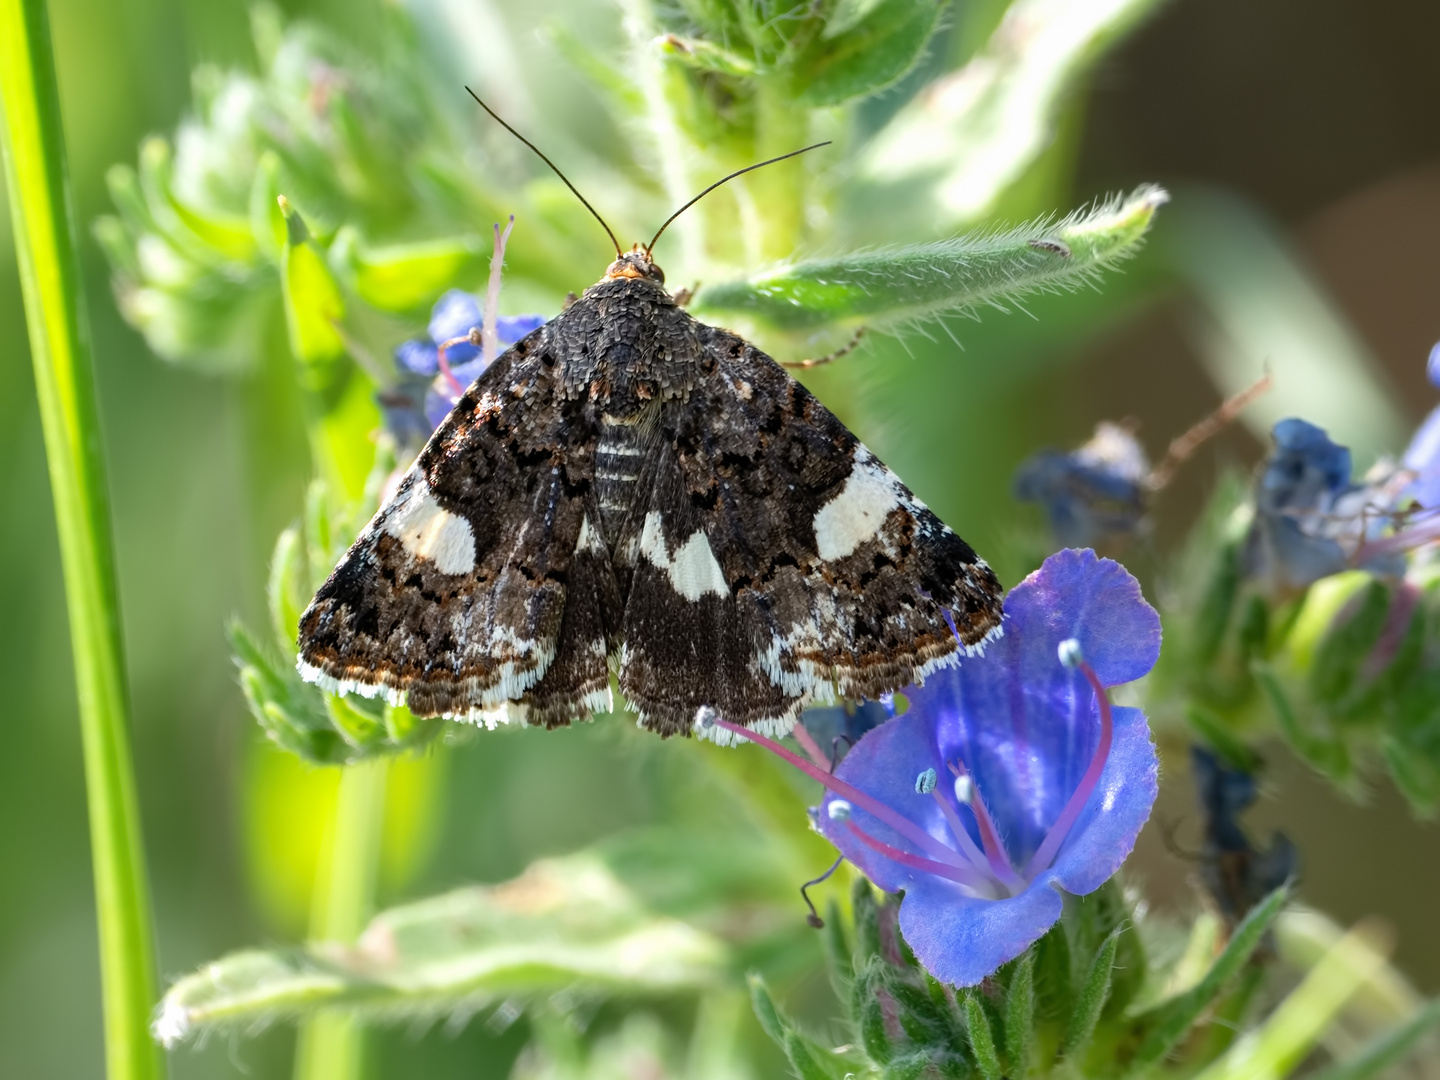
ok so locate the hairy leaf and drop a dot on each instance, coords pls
(893, 285)
(564, 924)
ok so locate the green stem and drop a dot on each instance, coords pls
(331, 1045)
(43, 217)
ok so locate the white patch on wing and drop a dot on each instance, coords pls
(857, 513)
(430, 533)
(692, 570)
(590, 540)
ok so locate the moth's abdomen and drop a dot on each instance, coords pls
(619, 457)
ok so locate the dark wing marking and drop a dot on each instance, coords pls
(776, 560)
(464, 588)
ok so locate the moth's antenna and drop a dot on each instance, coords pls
(748, 168)
(532, 146)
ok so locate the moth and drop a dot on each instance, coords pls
(630, 490)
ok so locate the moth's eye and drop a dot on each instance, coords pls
(657, 274)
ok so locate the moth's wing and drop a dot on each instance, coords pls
(776, 560)
(469, 583)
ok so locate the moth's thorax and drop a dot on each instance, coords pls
(625, 345)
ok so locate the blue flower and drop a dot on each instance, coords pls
(1045, 786)
(1422, 457)
(1310, 520)
(1092, 496)
(455, 314)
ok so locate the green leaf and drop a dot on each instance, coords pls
(1020, 1014)
(314, 305)
(881, 42)
(981, 1038)
(1168, 1022)
(1327, 755)
(809, 1060)
(565, 924)
(1385, 1049)
(958, 275)
(1092, 998)
(405, 277)
(969, 135)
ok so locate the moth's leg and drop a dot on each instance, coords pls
(682, 296)
(816, 361)
(570, 298)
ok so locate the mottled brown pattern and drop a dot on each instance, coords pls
(733, 448)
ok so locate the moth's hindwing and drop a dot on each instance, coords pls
(477, 584)
(775, 560)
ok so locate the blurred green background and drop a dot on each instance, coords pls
(1309, 126)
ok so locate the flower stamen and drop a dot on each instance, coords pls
(871, 805)
(1050, 846)
(472, 338)
(971, 879)
(962, 835)
(995, 853)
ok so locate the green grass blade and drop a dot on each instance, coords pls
(896, 285)
(1385, 1049)
(44, 224)
(1278, 1046)
(1169, 1021)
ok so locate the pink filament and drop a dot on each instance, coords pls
(809, 745)
(967, 846)
(994, 850)
(872, 806)
(959, 874)
(1050, 846)
(455, 388)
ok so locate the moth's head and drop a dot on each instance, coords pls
(635, 263)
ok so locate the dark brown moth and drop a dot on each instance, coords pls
(630, 490)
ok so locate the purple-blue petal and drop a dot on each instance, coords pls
(455, 314)
(1423, 456)
(1104, 835)
(1432, 366)
(884, 764)
(961, 940)
(511, 328)
(420, 357)
(1304, 469)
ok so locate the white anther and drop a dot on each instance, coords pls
(1070, 654)
(838, 810)
(964, 789)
